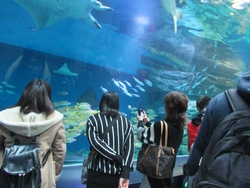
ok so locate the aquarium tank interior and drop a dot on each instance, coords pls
(141, 49)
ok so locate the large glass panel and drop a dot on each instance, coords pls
(141, 49)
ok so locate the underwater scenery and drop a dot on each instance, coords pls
(141, 49)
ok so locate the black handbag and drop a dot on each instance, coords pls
(86, 162)
(156, 160)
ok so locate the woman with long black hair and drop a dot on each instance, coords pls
(111, 136)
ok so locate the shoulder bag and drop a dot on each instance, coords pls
(156, 160)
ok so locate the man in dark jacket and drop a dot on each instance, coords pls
(217, 109)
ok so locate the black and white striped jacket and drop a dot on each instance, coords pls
(118, 141)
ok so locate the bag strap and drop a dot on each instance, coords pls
(166, 133)
(33, 141)
(16, 140)
(161, 134)
(235, 100)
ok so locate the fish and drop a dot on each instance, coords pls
(10, 92)
(122, 84)
(70, 140)
(214, 57)
(128, 94)
(138, 81)
(115, 82)
(148, 82)
(204, 70)
(63, 93)
(135, 95)
(64, 70)
(62, 103)
(72, 134)
(170, 7)
(124, 90)
(178, 87)
(134, 89)
(128, 83)
(210, 87)
(193, 68)
(47, 12)
(103, 89)
(186, 83)
(215, 65)
(10, 86)
(140, 88)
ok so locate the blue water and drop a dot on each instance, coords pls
(131, 30)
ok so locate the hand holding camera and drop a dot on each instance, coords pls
(142, 116)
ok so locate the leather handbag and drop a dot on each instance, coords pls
(156, 160)
(85, 163)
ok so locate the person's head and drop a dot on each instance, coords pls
(109, 104)
(243, 86)
(36, 97)
(176, 104)
(202, 102)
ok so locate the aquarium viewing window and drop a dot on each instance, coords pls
(193, 46)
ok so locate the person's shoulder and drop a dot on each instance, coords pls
(94, 116)
(122, 117)
(218, 100)
(158, 123)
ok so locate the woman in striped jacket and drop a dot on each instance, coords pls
(111, 136)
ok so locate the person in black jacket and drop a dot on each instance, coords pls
(217, 109)
(175, 106)
(194, 125)
(113, 160)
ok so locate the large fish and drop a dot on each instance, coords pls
(47, 12)
(170, 7)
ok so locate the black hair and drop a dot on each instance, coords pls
(109, 104)
(36, 97)
(176, 104)
(202, 102)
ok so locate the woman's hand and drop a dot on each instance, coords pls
(143, 117)
(123, 183)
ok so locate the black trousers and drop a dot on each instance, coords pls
(161, 183)
(101, 180)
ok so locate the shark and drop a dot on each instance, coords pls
(47, 12)
(170, 7)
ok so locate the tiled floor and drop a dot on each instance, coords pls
(71, 175)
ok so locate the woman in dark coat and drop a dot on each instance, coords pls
(175, 106)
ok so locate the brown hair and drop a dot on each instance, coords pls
(36, 97)
(176, 104)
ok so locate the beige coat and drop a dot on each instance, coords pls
(51, 134)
